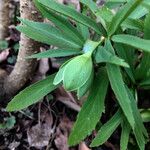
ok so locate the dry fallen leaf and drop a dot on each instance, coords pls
(13, 145)
(39, 135)
(62, 133)
(61, 142)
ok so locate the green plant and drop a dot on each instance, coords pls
(3, 45)
(9, 123)
(105, 49)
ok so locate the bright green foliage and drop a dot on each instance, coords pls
(125, 135)
(122, 14)
(108, 53)
(145, 114)
(90, 4)
(141, 10)
(102, 55)
(84, 88)
(134, 41)
(133, 24)
(56, 53)
(118, 86)
(59, 76)
(91, 110)
(90, 46)
(61, 23)
(75, 78)
(9, 123)
(67, 11)
(107, 129)
(139, 130)
(51, 35)
(145, 65)
(125, 52)
(3, 45)
(32, 94)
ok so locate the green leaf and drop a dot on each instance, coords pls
(118, 86)
(60, 74)
(67, 11)
(112, 4)
(130, 23)
(84, 30)
(102, 55)
(61, 23)
(139, 129)
(55, 53)
(91, 110)
(103, 14)
(122, 14)
(146, 5)
(132, 41)
(145, 114)
(44, 32)
(90, 46)
(3, 44)
(128, 54)
(144, 66)
(77, 72)
(138, 120)
(9, 123)
(107, 129)
(32, 94)
(82, 90)
(126, 129)
(145, 82)
(117, 1)
(140, 11)
(90, 4)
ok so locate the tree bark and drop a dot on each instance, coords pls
(4, 18)
(24, 68)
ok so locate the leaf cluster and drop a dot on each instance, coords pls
(105, 47)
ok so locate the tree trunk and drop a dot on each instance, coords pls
(24, 68)
(4, 18)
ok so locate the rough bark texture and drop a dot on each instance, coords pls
(24, 68)
(4, 18)
(3, 74)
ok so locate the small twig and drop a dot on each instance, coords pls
(39, 114)
(22, 112)
(71, 97)
(69, 104)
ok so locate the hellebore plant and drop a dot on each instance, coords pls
(105, 43)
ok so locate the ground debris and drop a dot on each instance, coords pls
(39, 135)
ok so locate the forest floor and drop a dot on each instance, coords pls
(47, 124)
